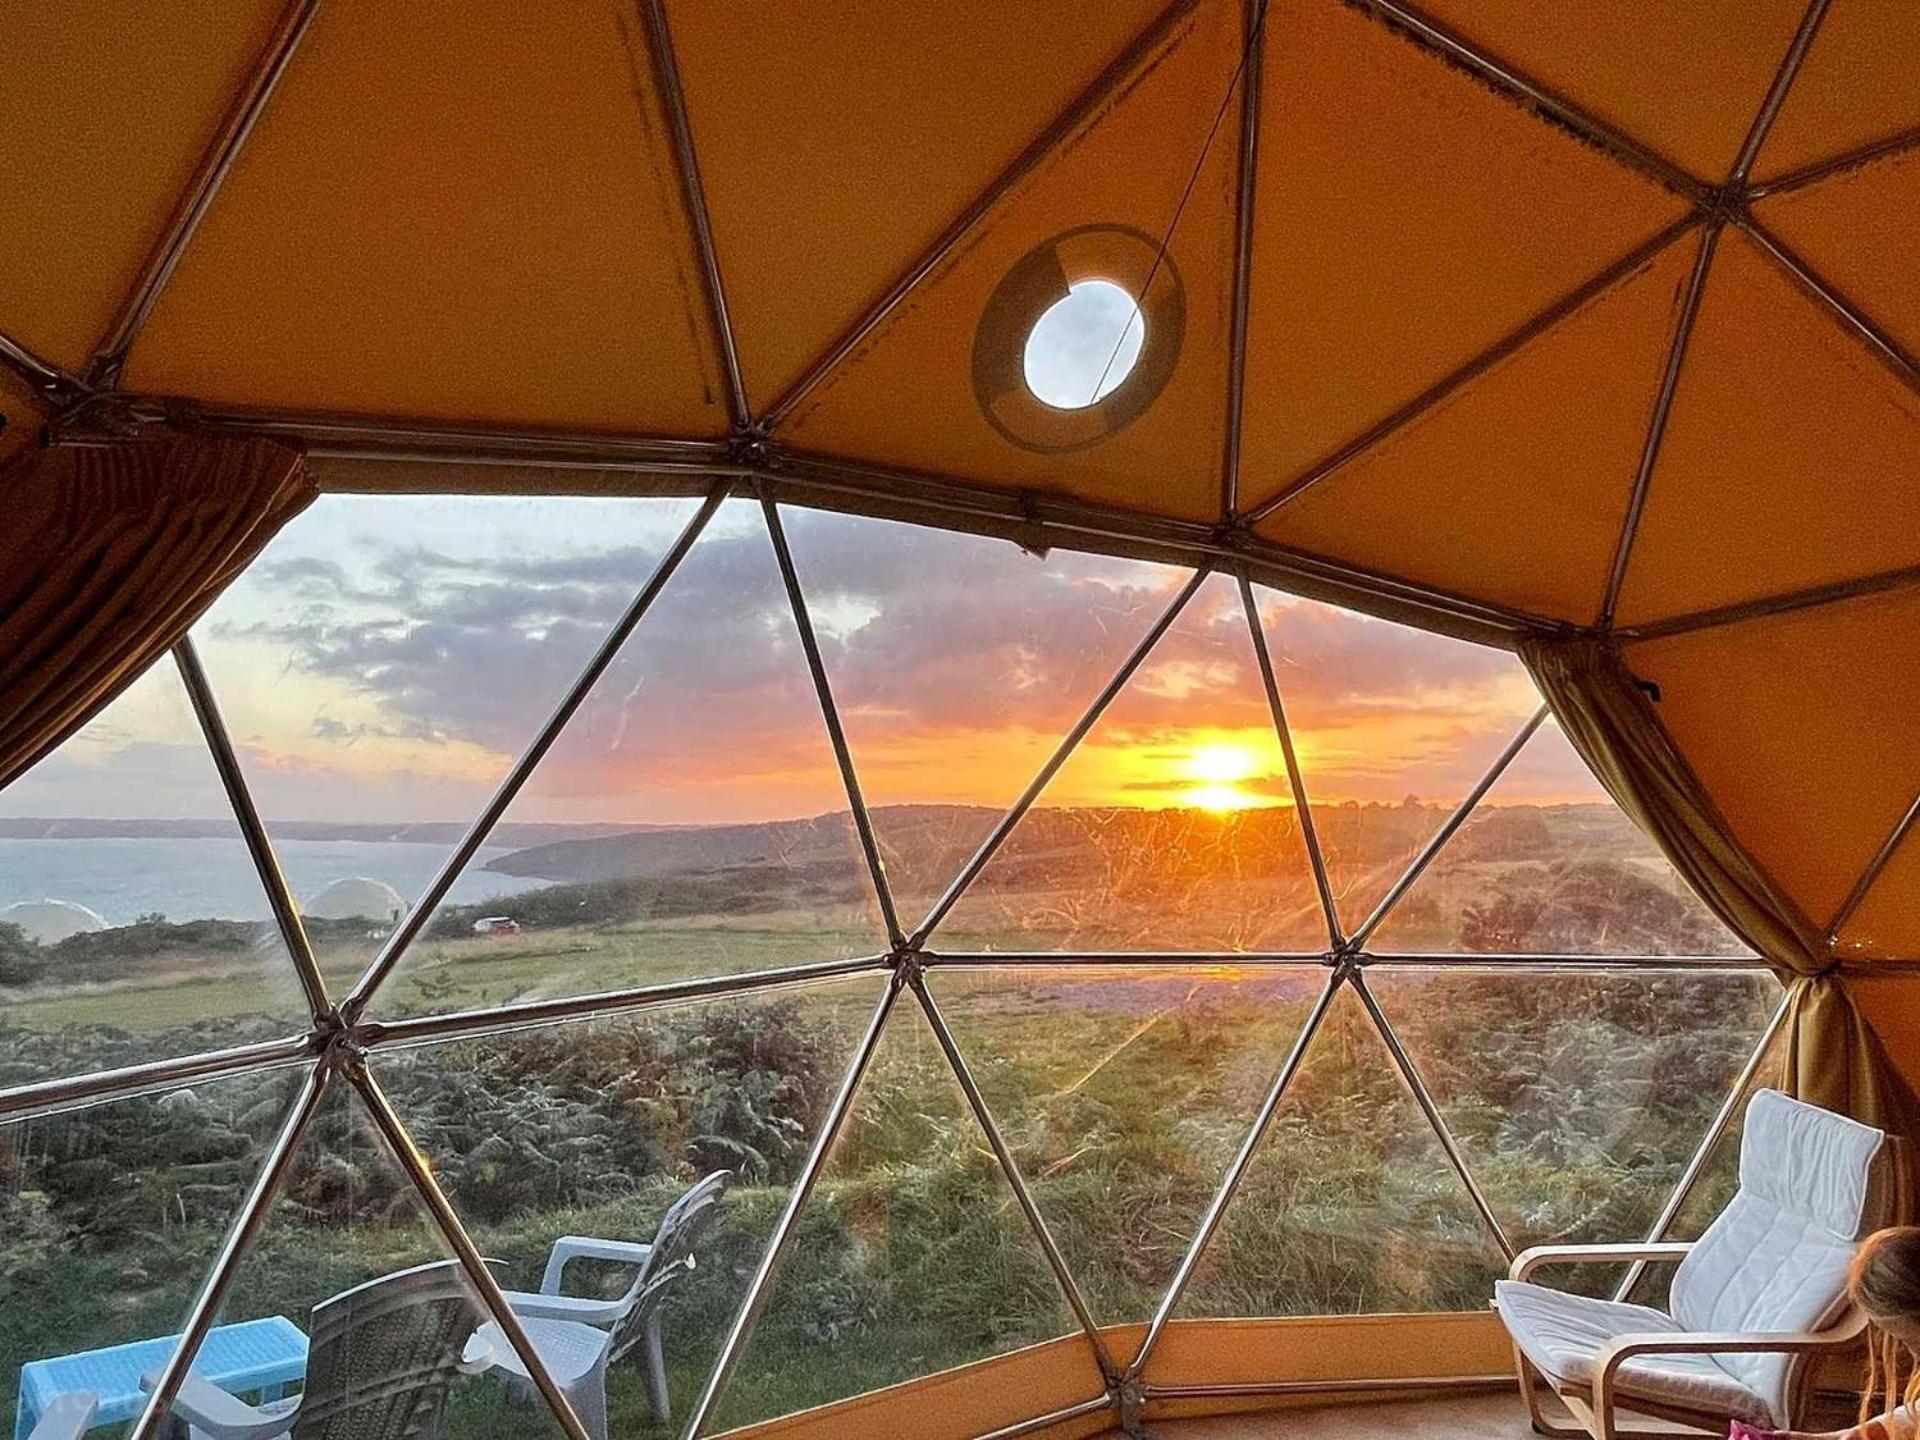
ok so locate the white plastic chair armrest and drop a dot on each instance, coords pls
(67, 1417)
(1528, 1261)
(1622, 1348)
(221, 1416)
(566, 1307)
(586, 1247)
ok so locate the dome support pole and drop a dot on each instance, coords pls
(416, 919)
(1077, 111)
(694, 196)
(755, 1299)
(1337, 976)
(1697, 1164)
(1065, 749)
(286, 912)
(836, 732)
(1242, 258)
(104, 369)
(1069, 1287)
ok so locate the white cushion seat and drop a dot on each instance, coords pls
(1563, 1334)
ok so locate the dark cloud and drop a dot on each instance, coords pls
(922, 632)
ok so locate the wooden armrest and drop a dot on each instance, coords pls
(1623, 1348)
(1528, 1261)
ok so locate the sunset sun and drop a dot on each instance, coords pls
(1217, 770)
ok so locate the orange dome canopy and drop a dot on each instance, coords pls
(1504, 317)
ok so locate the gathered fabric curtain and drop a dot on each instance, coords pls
(108, 553)
(1833, 1059)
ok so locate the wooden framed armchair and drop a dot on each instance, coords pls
(1754, 1299)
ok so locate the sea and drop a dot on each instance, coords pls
(213, 879)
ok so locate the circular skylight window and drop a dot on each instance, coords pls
(1084, 345)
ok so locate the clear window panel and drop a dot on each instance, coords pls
(110, 1217)
(1349, 1206)
(1171, 827)
(1124, 1095)
(1577, 1100)
(707, 827)
(911, 1255)
(349, 1265)
(1548, 864)
(1393, 727)
(594, 1131)
(133, 924)
(382, 663)
(958, 663)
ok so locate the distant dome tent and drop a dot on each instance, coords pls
(48, 922)
(357, 898)
(1588, 332)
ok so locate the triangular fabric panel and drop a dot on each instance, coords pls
(911, 1255)
(596, 1130)
(1101, 208)
(689, 821)
(1685, 80)
(1852, 228)
(1171, 827)
(1736, 701)
(1497, 493)
(1380, 267)
(1547, 864)
(464, 212)
(1349, 1206)
(1124, 1120)
(1393, 726)
(936, 727)
(833, 155)
(1855, 87)
(1577, 1100)
(347, 1218)
(114, 1214)
(102, 125)
(1800, 444)
(383, 661)
(133, 924)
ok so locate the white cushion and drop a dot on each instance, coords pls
(1563, 1334)
(1777, 1256)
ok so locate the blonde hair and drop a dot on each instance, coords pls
(1884, 1281)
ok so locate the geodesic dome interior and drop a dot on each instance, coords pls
(921, 609)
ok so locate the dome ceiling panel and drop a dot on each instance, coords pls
(102, 124)
(464, 212)
(1856, 87)
(936, 386)
(1408, 217)
(833, 155)
(1528, 499)
(1685, 80)
(1791, 458)
(1799, 723)
(1856, 230)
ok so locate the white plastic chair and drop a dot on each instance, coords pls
(381, 1360)
(626, 1319)
(575, 1353)
(1755, 1297)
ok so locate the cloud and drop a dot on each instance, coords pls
(936, 644)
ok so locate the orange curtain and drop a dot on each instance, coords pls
(108, 553)
(1832, 1056)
